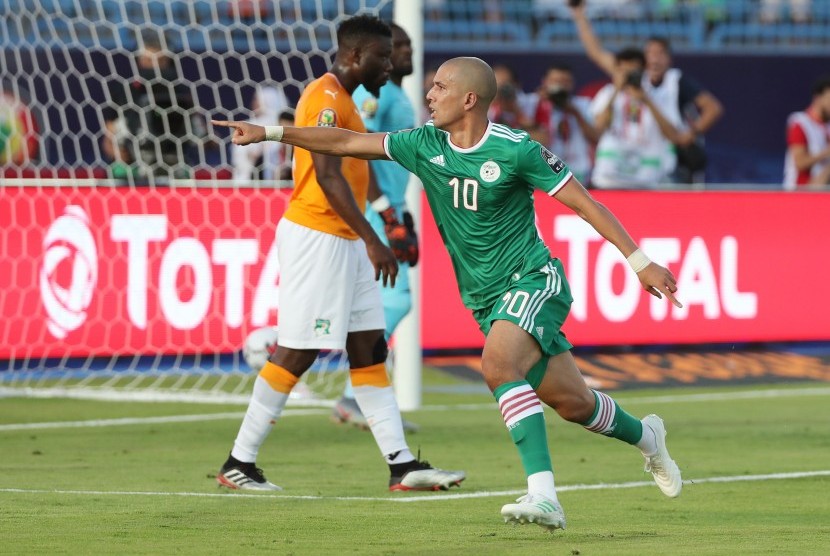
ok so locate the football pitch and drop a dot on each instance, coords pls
(87, 477)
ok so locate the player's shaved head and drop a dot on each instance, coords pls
(474, 75)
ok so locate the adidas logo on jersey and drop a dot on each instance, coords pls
(439, 160)
(540, 331)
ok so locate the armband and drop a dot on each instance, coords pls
(274, 132)
(638, 260)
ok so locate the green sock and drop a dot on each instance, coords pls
(522, 413)
(611, 420)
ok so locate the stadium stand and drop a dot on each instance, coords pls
(59, 50)
(512, 24)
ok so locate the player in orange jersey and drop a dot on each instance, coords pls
(329, 293)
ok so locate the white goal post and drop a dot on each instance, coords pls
(135, 279)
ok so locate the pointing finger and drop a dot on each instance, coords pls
(672, 298)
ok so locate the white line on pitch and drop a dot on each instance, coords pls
(148, 420)
(427, 498)
(731, 396)
(691, 398)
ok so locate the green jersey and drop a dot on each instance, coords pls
(482, 201)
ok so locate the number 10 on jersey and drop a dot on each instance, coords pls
(469, 193)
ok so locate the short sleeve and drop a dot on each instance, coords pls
(403, 146)
(583, 104)
(601, 100)
(542, 114)
(321, 109)
(796, 135)
(541, 168)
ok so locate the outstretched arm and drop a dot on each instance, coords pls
(323, 140)
(593, 47)
(326, 144)
(655, 279)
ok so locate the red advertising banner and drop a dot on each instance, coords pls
(104, 271)
(751, 267)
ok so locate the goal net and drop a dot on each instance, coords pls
(137, 250)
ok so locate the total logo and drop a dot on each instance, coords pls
(715, 290)
(69, 274)
(68, 271)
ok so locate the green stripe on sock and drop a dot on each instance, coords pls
(500, 390)
(531, 439)
(627, 427)
(529, 435)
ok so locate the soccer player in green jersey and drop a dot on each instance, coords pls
(479, 178)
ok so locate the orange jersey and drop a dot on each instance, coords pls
(325, 103)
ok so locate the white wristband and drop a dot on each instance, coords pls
(381, 204)
(274, 132)
(638, 261)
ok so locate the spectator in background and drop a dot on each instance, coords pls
(511, 105)
(150, 125)
(683, 101)
(771, 11)
(613, 9)
(807, 164)
(19, 131)
(635, 147)
(264, 161)
(435, 10)
(564, 123)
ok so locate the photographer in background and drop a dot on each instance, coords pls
(150, 127)
(635, 148)
(564, 122)
(265, 161)
(807, 163)
(511, 105)
(679, 98)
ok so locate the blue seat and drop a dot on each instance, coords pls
(793, 35)
(467, 32)
(620, 33)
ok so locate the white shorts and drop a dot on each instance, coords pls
(327, 288)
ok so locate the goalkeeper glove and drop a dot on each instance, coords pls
(410, 227)
(402, 238)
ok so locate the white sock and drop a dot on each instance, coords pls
(542, 483)
(264, 409)
(648, 442)
(380, 408)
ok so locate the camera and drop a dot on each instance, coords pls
(507, 91)
(559, 97)
(634, 78)
(574, 3)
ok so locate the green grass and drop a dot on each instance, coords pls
(309, 456)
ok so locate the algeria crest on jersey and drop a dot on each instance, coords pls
(490, 171)
(327, 118)
(551, 160)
